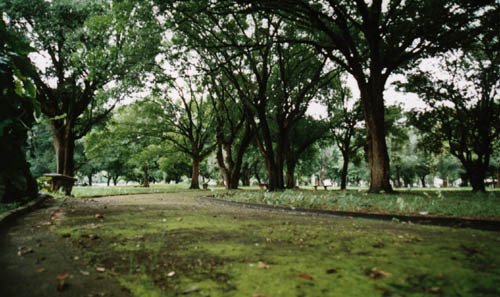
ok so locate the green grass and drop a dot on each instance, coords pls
(80, 191)
(188, 249)
(434, 202)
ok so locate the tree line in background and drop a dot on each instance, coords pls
(221, 89)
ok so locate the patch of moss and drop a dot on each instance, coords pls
(209, 251)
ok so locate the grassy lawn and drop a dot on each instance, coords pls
(170, 245)
(80, 191)
(448, 202)
(423, 201)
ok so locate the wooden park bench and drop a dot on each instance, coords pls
(264, 186)
(316, 187)
(58, 181)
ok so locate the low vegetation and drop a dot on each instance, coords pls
(423, 202)
(81, 191)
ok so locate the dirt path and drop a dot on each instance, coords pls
(32, 257)
(176, 245)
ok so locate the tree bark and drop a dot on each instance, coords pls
(90, 179)
(464, 177)
(422, 179)
(373, 108)
(195, 183)
(145, 169)
(290, 173)
(63, 141)
(498, 176)
(397, 180)
(343, 172)
(245, 174)
(476, 174)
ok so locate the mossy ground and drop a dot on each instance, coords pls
(173, 245)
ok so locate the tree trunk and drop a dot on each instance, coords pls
(464, 180)
(195, 184)
(90, 179)
(257, 177)
(498, 176)
(245, 174)
(397, 180)
(108, 180)
(343, 172)
(63, 141)
(290, 173)
(476, 174)
(145, 169)
(115, 180)
(378, 158)
(422, 179)
(445, 182)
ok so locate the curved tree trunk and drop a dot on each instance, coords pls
(422, 179)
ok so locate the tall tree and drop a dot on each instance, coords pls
(373, 39)
(89, 50)
(303, 135)
(345, 116)
(464, 100)
(185, 117)
(233, 131)
(275, 81)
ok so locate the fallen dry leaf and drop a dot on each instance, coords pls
(83, 272)
(90, 236)
(100, 269)
(99, 216)
(306, 276)
(262, 265)
(23, 250)
(433, 290)
(191, 289)
(62, 276)
(375, 273)
(40, 269)
(171, 273)
(62, 285)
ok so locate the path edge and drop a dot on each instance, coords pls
(481, 224)
(15, 213)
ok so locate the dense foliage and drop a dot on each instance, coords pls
(17, 106)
